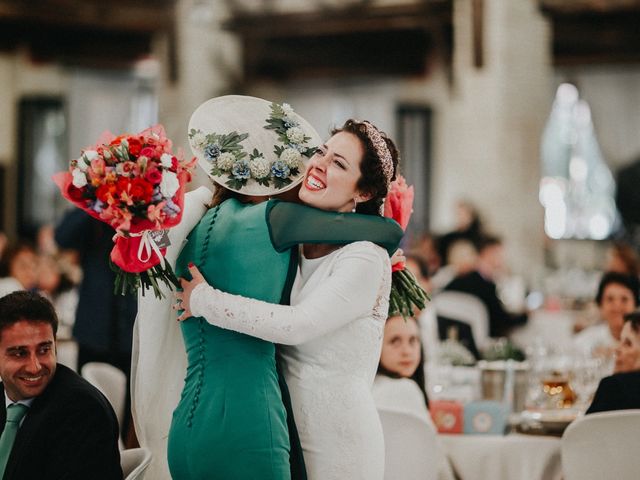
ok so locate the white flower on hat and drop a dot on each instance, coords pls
(225, 161)
(169, 184)
(85, 159)
(291, 157)
(295, 135)
(259, 167)
(287, 109)
(166, 160)
(79, 178)
(199, 140)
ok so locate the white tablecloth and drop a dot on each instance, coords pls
(510, 457)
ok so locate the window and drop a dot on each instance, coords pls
(577, 188)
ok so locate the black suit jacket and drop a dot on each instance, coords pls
(500, 321)
(70, 432)
(620, 391)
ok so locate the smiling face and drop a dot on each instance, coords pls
(333, 173)
(617, 301)
(401, 346)
(628, 350)
(27, 358)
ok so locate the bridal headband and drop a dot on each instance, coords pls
(382, 150)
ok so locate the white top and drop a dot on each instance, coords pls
(333, 332)
(400, 394)
(596, 336)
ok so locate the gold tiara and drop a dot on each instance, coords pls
(382, 150)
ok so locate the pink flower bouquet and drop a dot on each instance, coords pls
(135, 184)
(405, 291)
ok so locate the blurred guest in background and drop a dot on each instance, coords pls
(417, 264)
(468, 227)
(400, 382)
(3, 243)
(617, 296)
(104, 321)
(56, 285)
(463, 259)
(425, 246)
(622, 258)
(480, 282)
(621, 390)
(18, 268)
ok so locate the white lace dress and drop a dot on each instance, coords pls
(331, 336)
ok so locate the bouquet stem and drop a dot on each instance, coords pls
(405, 294)
(127, 282)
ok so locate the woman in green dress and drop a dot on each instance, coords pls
(230, 421)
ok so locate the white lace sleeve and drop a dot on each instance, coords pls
(350, 292)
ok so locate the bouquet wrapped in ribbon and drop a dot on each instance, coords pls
(405, 291)
(135, 184)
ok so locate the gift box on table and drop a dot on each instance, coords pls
(447, 415)
(485, 417)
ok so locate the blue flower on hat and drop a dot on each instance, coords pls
(280, 169)
(212, 152)
(241, 170)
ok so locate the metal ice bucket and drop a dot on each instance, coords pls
(505, 381)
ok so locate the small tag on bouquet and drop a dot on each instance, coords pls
(161, 237)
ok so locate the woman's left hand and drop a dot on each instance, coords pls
(184, 297)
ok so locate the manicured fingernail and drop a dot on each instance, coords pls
(191, 265)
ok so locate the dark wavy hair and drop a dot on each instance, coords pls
(372, 180)
(631, 283)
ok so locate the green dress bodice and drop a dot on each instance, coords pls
(230, 422)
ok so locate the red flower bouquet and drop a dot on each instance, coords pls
(405, 291)
(135, 184)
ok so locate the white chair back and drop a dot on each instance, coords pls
(412, 450)
(602, 445)
(134, 462)
(465, 308)
(111, 381)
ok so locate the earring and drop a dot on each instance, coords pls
(355, 205)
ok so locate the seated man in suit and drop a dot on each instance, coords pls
(55, 424)
(480, 282)
(621, 391)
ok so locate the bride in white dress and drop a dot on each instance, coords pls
(332, 332)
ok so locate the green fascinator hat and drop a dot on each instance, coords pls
(250, 145)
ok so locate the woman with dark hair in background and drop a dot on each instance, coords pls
(621, 390)
(400, 380)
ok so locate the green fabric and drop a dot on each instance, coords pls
(231, 422)
(292, 224)
(15, 412)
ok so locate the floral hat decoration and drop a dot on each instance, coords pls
(250, 145)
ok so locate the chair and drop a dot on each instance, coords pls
(602, 445)
(412, 449)
(111, 381)
(134, 462)
(466, 308)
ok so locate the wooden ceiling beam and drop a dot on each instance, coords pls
(356, 40)
(588, 6)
